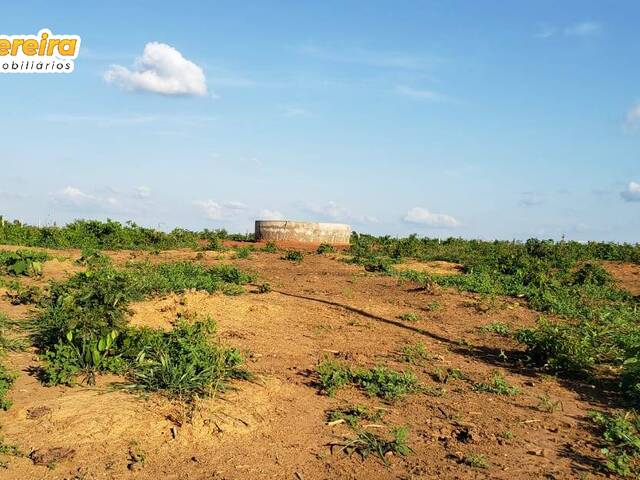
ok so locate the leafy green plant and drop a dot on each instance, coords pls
(377, 381)
(548, 404)
(620, 437)
(270, 247)
(498, 328)
(83, 327)
(409, 317)
(325, 248)
(498, 385)
(414, 354)
(444, 376)
(264, 287)
(184, 362)
(23, 262)
(560, 347)
(8, 450)
(295, 256)
(24, 295)
(475, 460)
(243, 252)
(592, 274)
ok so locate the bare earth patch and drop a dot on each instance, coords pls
(274, 426)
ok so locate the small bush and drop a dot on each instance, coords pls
(325, 248)
(592, 274)
(378, 265)
(184, 362)
(23, 262)
(270, 247)
(559, 347)
(243, 252)
(295, 256)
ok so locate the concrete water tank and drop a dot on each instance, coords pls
(309, 232)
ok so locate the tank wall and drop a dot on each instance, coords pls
(310, 232)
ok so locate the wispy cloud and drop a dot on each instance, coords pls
(219, 211)
(76, 199)
(582, 29)
(631, 193)
(422, 94)
(334, 212)
(161, 69)
(422, 216)
(270, 215)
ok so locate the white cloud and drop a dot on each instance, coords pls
(270, 215)
(632, 193)
(212, 210)
(73, 197)
(161, 69)
(142, 192)
(335, 212)
(423, 216)
(219, 211)
(422, 94)
(582, 29)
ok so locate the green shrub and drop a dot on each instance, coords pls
(243, 252)
(325, 248)
(295, 256)
(83, 329)
(620, 437)
(270, 247)
(377, 381)
(184, 362)
(560, 347)
(592, 274)
(22, 262)
(409, 317)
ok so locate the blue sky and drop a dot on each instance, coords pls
(476, 119)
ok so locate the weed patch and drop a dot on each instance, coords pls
(377, 381)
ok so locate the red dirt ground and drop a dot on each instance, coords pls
(274, 426)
